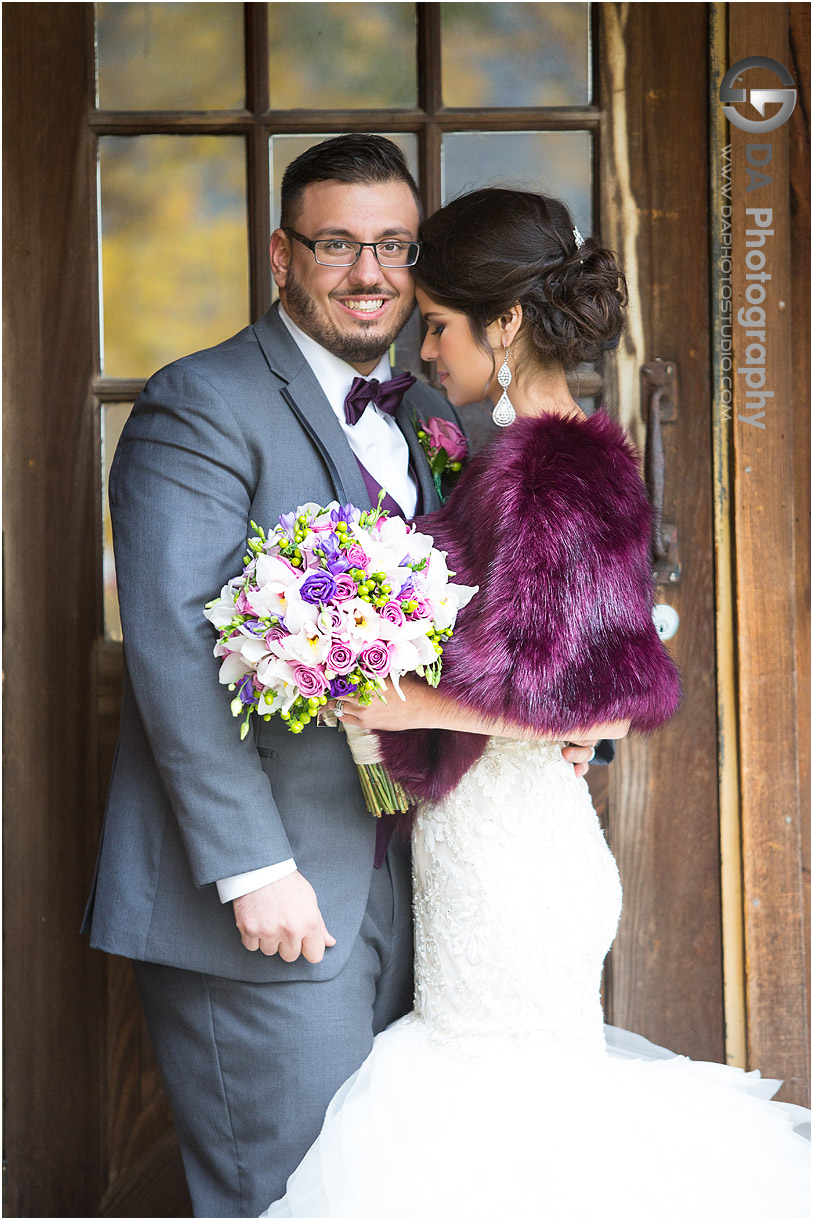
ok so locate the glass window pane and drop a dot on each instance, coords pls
(174, 247)
(114, 417)
(348, 56)
(506, 54)
(170, 56)
(554, 163)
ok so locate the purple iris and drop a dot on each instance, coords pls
(288, 521)
(347, 514)
(341, 687)
(318, 587)
(336, 560)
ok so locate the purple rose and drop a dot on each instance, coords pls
(392, 613)
(345, 589)
(377, 659)
(311, 682)
(318, 587)
(340, 687)
(443, 434)
(341, 658)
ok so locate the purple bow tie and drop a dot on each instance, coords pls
(386, 395)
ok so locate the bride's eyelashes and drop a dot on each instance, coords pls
(438, 330)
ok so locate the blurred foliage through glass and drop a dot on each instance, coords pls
(347, 56)
(170, 56)
(508, 54)
(174, 247)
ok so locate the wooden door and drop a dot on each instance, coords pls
(87, 1127)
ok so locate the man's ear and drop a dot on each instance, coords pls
(280, 254)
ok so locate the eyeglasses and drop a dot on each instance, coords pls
(338, 252)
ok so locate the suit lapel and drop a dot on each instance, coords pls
(406, 422)
(304, 396)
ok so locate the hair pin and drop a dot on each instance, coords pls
(579, 239)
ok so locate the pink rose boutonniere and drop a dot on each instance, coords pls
(446, 449)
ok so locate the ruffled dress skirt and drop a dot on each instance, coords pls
(503, 1094)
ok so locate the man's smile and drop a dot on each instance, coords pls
(367, 307)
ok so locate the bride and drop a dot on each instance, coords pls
(503, 1094)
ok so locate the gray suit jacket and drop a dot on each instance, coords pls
(236, 433)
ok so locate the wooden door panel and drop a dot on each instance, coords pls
(667, 959)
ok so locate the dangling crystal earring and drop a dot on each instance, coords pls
(504, 413)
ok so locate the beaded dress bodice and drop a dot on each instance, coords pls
(517, 900)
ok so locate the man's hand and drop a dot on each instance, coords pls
(581, 755)
(284, 918)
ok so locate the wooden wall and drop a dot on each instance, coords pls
(53, 986)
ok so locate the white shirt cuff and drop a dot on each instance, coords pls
(243, 883)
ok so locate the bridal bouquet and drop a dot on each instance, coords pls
(331, 604)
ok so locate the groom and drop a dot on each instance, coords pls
(239, 875)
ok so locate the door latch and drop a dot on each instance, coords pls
(659, 398)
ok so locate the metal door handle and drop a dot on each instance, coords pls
(659, 394)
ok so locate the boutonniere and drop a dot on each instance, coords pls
(446, 450)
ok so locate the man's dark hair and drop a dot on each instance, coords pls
(354, 157)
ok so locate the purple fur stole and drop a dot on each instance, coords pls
(551, 520)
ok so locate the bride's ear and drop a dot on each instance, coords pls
(509, 324)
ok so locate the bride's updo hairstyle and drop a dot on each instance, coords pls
(494, 248)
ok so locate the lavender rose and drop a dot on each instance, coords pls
(358, 556)
(393, 613)
(341, 658)
(274, 634)
(345, 589)
(377, 659)
(318, 587)
(311, 682)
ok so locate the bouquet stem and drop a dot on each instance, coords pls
(382, 793)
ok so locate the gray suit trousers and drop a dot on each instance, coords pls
(249, 1068)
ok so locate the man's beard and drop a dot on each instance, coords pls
(357, 347)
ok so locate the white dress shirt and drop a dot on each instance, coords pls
(379, 445)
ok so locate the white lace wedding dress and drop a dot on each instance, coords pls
(503, 1094)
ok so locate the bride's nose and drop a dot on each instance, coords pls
(429, 348)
